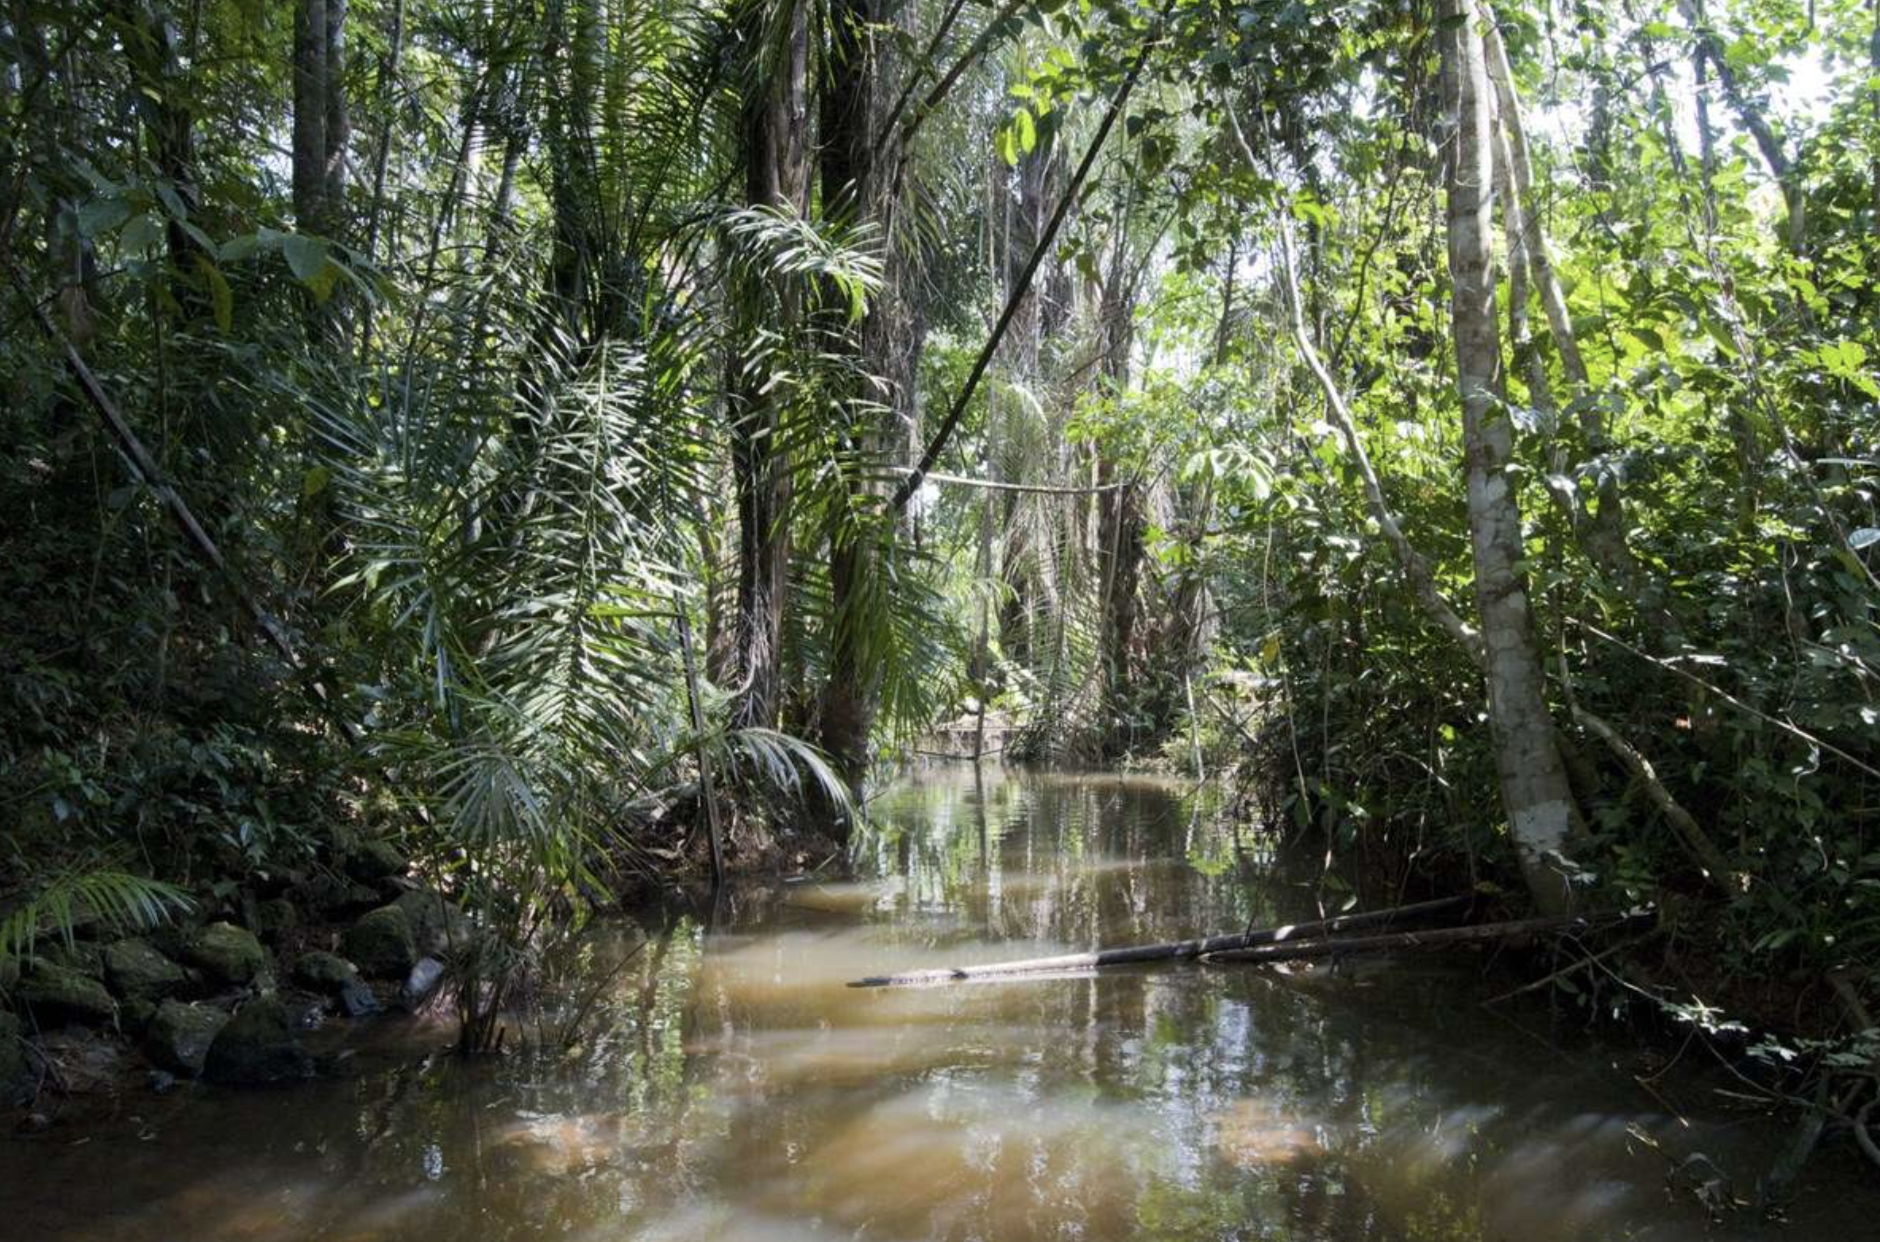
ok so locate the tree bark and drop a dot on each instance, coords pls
(1602, 527)
(1414, 566)
(1535, 794)
(1120, 521)
(310, 115)
(850, 83)
(338, 127)
(773, 137)
(1338, 946)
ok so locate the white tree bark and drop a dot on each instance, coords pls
(1603, 531)
(1534, 789)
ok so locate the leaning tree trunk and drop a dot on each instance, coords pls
(1534, 790)
(774, 150)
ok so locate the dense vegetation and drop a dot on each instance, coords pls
(1454, 427)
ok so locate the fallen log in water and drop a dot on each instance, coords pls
(1332, 946)
(1163, 952)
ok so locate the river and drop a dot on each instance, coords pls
(729, 1085)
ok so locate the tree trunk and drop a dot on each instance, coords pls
(774, 151)
(1534, 789)
(1603, 528)
(322, 126)
(1120, 522)
(338, 126)
(849, 86)
(1787, 172)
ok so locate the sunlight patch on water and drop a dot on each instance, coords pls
(1255, 1132)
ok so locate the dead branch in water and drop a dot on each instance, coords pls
(1178, 949)
(1331, 946)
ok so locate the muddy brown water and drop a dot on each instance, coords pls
(732, 1088)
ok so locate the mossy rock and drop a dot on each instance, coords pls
(136, 971)
(372, 861)
(136, 1015)
(273, 918)
(437, 926)
(179, 1036)
(79, 956)
(329, 974)
(57, 995)
(381, 943)
(326, 973)
(226, 953)
(257, 1047)
(333, 895)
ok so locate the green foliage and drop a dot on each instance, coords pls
(56, 904)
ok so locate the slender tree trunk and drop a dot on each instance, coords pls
(338, 122)
(310, 115)
(1413, 564)
(1786, 171)
(1533, 779)
(1021, 219)
(1602, 528)
(1120, 520)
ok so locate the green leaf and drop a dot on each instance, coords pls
(221, 297)
(100, 215)
(236, 249)
(306, 256)
(143, 234)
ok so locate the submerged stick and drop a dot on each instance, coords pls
(1332, 946)
(1177, 949)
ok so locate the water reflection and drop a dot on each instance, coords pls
(733, 1088)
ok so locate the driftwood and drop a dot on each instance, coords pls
(1331, 946)
(1163, 952)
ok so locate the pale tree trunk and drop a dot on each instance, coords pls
(1602, 528)
(1534, 789)
(774, 142)
(1873, 70)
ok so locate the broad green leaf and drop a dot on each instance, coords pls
(100, 215)
(306, 256)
